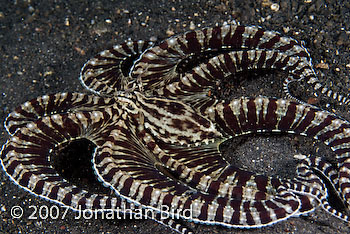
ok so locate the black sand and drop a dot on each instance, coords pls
(44, 44)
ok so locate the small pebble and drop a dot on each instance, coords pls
(66, 22)
(322, 65)
(275, 7)
(192, 26)
(31, 9)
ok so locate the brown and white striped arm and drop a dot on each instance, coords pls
(248, 115)
(163, 151)
(48, 105)
(27, 155)
(132, 171)
(173, 58)
(108, 72)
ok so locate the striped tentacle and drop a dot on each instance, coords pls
(108, 72)
(196, 165)
(204, 169)
(248, 115)
(311, 184)
(308, 166)
(27, 161)
(48, 105)
(133, 172)
(26, 157)
(168, 62)
(195, 84)
(175, 134)
(161, 64)
(230, 183)
(175, 224)
(190, 166)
